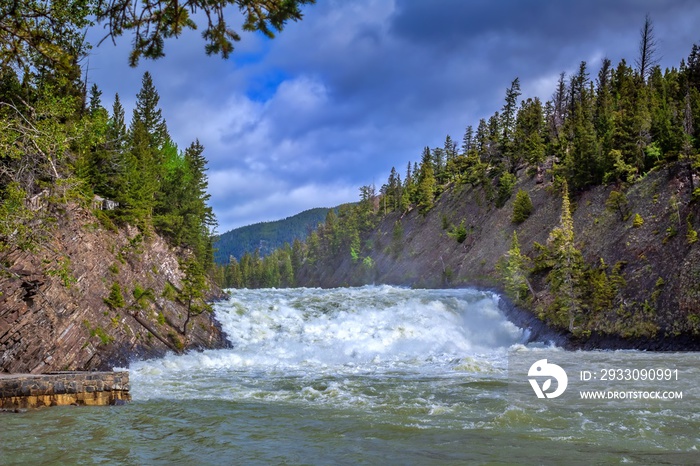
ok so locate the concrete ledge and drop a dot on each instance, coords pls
(20, 391)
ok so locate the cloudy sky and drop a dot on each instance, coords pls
(360, 86)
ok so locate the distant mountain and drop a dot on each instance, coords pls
(267, 236)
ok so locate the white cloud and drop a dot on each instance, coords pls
(357, 87)
(280, 203)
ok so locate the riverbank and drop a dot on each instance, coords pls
(540, 331)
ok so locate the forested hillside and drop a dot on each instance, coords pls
(582, 207)
(266, 236)
(105, 227)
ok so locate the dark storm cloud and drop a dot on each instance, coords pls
(359, 86)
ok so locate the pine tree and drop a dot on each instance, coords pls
(450, 148)
(467, 140)
(522, 207)
(144, 164)
(647, 49)
(529, 133)
(286, 270)
(690, 155)
(116, 132)
(194, 285)
(139, 183)
(558, 114)
(582, 161)
(297, 255)
(481, 139)
(508, 117)
(628, 127)
(603, 114)
(493, 152)
(95, 103)
(425, 190)
(438, 158)
(565, 278)
(514, 273)
(232, 274)
(92, 157)
(181, 211)
(149, 114)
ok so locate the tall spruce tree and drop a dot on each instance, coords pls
(529, 133)
(566, 277)
(468, 140)
(149, 114)
(425, 189)
(508, 116)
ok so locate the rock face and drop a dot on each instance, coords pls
(661, 265)
(63, 388)
(53, 315)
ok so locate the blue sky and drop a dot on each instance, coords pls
(359, 86)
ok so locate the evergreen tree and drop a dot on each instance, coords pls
(110, 165)
(425, 189)
(522, 207)
(194, 285)
(508, 117)
(95, 103)
(603, 114)
(558, 114)
(439, 164)
(149, 114)
(626, 130)
(513, 272)
(139, 183)
(116, 132)
(582, 157)
(91, 163)
(450, 148)
(199, 217)
(181, 212)
(468, 140)
(493, 144)
(297, 256)
(233, 277)
(481, 139)
(529, 133)
(565, 278)
(286, 269)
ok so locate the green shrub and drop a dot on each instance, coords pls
(115, 300)
(459, 233)
(691, 235)
(169, 292)
(445, 222)
(506, 183)
(522, 207)
(617, 202)
(638, 221)
(102, 335)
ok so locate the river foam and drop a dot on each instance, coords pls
(321, 345)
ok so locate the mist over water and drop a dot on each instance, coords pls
(369, 375)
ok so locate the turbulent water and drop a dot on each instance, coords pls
(354, 376)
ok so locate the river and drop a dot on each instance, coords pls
(371, 375)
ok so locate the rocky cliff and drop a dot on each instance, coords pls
(53, 314)
(659, 260)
